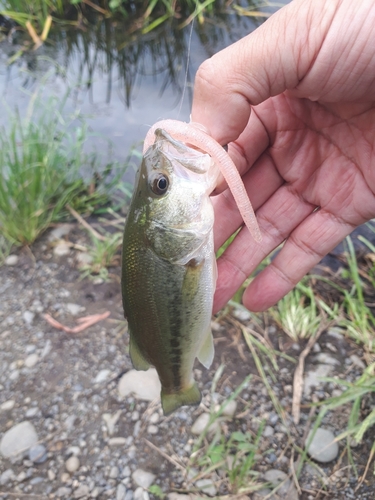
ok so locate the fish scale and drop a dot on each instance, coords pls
(169, 268)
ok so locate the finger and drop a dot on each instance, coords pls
(272, 59)
(277, 218)
(260, 182)
(317, 235)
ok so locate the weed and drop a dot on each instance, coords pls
(103, 255)
(233, 456)
(41, 157)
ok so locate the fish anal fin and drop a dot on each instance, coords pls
(138, 360)
(171, 402)
(207, 351)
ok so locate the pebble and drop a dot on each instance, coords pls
(327, 359)
(155, 417)
(74, 309)
(11, 260)
(61, 249)
(152, 429)
(7, 476)
(111, 421)
(356, 360)
(102, 376)
(287, 491)
(201, 423)
(144, 385)
(28, 317)
(82, 491)
(178, 496)
(72, 464)
(114, 472)
(59, 231)
(32, 412)
(141, 494)
(38, 454)
(312, 378)
(117, 441)
(207, 486)
(143, 478)
(268, 431)
(31, 360)
(323, 447)
(18, 439)
(63, 492)
(7, 405)
(242, 314)
(120, 492)
(230, 409)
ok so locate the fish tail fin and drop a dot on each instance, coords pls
(190, 396)
(138, 360)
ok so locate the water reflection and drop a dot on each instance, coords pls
(123, 82)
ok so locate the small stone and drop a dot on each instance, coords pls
(95, 492)
(312, 378)
(356, 360)
(178, 496)
(31, 360)
(230, 409)
(32, 412)
(82, 491)
(7, 476)
(141, 494)
(102, 376)
(28, 317)
(336, 333)
(326, 359)
(38, 454)
(74, 309)
(275, 476)
(129, 495)
(152, 429)
(21, 476)
(120, 492)
(114, 472)
(7, 405)
(143, 478)
(59, 231)
(62, 249)
(201, 423)
(84, 258)
(117, 441)
(268, 431)
(63, 492)
(144, 385)
(207, 486)
(18, 439)
(263, 493)
(36, 480)
(155, 417)
(111, 421)
(72, 464)
(73, 450)
(11, 260)
(242, 314)
(51, 475)
(135, 416)
(323, 446)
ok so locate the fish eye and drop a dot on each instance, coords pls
(160, 184)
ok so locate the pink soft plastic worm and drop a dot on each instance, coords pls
(191, 134)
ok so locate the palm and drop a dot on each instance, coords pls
(304, 155)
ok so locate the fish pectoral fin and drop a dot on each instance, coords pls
(207, 351)
(171, 402)
(138, 360)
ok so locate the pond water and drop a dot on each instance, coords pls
(122, 83)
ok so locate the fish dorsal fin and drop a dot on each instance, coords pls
(207, 351)
(138, 360)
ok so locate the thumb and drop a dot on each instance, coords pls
(272, 59)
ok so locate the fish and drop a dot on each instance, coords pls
(169, 267)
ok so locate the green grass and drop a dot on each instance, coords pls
(41, 158)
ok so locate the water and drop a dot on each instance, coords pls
(121, 83)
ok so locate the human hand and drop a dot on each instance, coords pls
(296, 101)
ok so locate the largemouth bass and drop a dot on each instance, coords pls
(169, 267)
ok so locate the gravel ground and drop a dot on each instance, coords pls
(69, 428)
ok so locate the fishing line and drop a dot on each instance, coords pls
(187, 67)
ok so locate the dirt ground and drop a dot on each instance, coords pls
(61, 393)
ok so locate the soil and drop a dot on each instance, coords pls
(60, 397)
